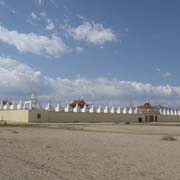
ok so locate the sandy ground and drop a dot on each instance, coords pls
(89, 152)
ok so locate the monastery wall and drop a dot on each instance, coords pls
(38, 116)
(43, 116)
(168, 118)
(73, 117)
(15, 115)
(64, 117)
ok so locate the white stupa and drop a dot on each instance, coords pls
(175, 112)
(112, 110)
(13, 106)
(68, 108)
(99, 109)
(178, 112)
(161, 111)
(49, 107)
(130, 111)
(20, 105)
(125, 110)
(84, 109)
(1, 106)
(58, 108)
(118, 111)
(92, 110)
(164, 111)
(76, 108)
(6, 106)
(136, 110)
(172, 112)
(106, 109)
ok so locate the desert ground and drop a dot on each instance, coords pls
(89, 152)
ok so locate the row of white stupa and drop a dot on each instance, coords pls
(92, 109)
(119, 110)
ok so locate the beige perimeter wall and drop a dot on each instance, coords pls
(63, 117)
(41, 116)
(162, 118)
(15, 115)
(70, 117)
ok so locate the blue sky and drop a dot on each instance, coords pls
(108, 52)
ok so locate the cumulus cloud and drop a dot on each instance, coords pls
(92, 33)
(33, 43)
(18, 80)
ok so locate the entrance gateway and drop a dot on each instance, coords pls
(150, 113)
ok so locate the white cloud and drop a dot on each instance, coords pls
(43, 14)
(50, 25)
(34, 16)
(166, 74)
(163, 74)
(18, 80)
(92, 33)
(39, 2)
(3, 3)
(13, 11)
(35, 19)
(53, 2)
(158, 69)
(79, 49)
(33, 43)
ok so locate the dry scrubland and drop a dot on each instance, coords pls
(89, 152)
